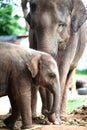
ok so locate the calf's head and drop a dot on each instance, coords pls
(44, 72)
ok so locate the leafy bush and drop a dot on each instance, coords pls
(9, 24)
(81, 72)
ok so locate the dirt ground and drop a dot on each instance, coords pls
(75, 120)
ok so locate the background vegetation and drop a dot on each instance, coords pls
(9, 24)
(82, 72)
(73, 104)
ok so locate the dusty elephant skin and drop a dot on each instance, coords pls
(58, 27)
(24, 9)
(21, 71)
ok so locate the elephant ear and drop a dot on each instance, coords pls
(78, 15)
(33, 66)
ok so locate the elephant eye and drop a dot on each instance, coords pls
(61, 26)
(52, 75)
(33, 7)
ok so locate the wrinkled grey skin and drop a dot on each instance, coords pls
(22, 70)
(57, 27)
(25, 10)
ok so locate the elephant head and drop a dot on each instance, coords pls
(44, 72)
(52, 23)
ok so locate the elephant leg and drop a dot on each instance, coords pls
(44, 104)
(63, 110)
(34, 101)
(25, 110)
(43, 98)
(64, 97)
(10, 121)
(22, 94)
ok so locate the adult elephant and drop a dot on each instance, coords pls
(57, 27)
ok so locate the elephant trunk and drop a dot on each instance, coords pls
(56, 100)
(51, 114)
(47, 43)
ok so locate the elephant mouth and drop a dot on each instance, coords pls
(64, 45)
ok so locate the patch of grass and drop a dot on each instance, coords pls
(83, 72)
(75, 103)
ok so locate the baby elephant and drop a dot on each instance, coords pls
(20, 70)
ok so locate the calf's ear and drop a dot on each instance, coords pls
(33, 66)
(78, 15)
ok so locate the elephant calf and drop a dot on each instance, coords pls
(20, 70)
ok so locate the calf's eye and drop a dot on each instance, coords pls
(52, 75)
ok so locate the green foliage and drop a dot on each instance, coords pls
(72, 104)
(9, 24)
(82, 72)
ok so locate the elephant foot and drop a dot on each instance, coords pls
(8, 123)
(14, 128)
(34, 117)
(34, 114)
(28, 127)
(47, 122)
(63, 117)
(33, 128)
(52, 117)
(55, 120)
